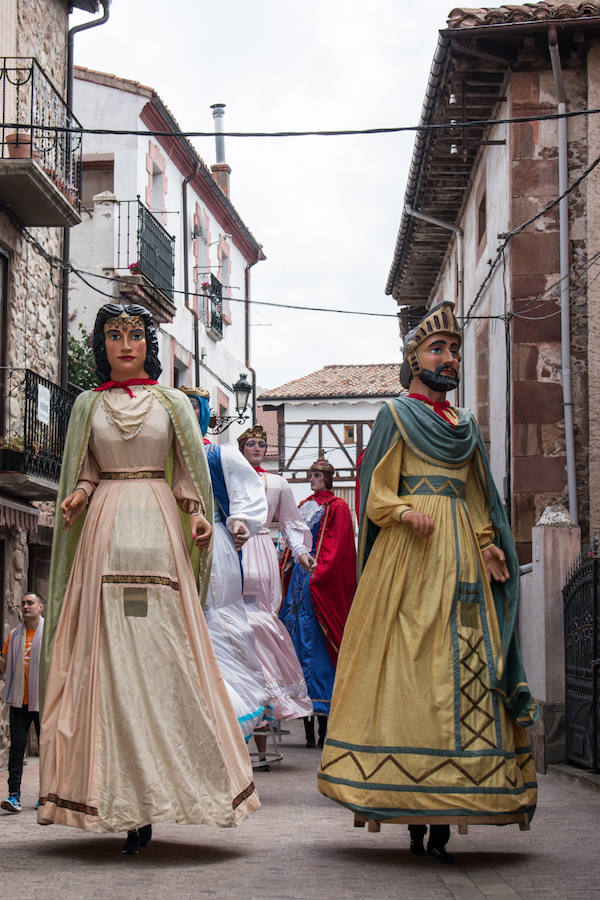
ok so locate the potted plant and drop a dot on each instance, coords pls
(19, 145)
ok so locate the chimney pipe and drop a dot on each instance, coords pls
(220, 170)
(218, 115)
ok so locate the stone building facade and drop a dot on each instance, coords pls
(33, 43)
(480, 185)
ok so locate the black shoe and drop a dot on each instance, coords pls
(417, 848)
(440, 854)
(265, 767)
(145, 835)
(310, 744)
(132, 845)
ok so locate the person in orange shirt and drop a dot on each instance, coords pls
(19, 663)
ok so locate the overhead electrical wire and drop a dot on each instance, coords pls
(507, 237)
(452, 125)
(84, 275)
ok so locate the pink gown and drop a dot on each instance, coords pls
(286, 688)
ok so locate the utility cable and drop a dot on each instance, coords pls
(452, 125)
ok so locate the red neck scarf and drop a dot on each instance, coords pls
(439, 407)
(260, 470)
(125, 384)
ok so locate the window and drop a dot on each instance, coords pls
(97, 176)
(349, 434)
(181, 373)
(481, 219)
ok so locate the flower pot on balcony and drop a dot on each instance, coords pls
(19, 145)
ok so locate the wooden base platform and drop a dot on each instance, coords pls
(462, 822)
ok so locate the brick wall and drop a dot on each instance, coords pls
(539, 460)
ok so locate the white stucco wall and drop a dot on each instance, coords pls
(494, 168)
(344, 412)
(94, 244)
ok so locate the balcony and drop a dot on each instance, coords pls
(145, 259)
(214, 312)
(39, 166)
(34, 414)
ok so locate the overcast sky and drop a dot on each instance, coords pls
(326, 210)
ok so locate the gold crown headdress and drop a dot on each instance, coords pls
(256, 431)
(439, 320)
(195, 392)
(322, 465)
(124, 322)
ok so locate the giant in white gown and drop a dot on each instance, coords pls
(239, 496)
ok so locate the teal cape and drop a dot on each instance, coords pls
(436, 441)
(64, 543)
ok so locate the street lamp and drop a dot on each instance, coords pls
(241, 392)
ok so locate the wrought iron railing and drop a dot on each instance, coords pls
(581, 596)
(33, 428)
(31, 109)
(215, 306)
(144, 247)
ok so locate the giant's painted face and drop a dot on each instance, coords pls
(125, 346)
(439, 356)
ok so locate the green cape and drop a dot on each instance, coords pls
(64, 543)
(434, 440)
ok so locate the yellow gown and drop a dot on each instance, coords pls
(415, 732)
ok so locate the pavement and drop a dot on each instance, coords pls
(302, 846)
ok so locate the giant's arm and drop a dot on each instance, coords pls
(478, 506)
(245, 489)
(384, 507)
(294, 529)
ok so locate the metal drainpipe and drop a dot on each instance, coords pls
(66, 245)
(461, 269)
(186, 274)
(565, 321)
(247, 330)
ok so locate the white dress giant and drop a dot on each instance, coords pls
(286, 687)
(137, 726)
(225, 613)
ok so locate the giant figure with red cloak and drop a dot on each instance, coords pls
(317, 602)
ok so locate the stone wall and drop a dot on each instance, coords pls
(34, 289)
(592, 222)
(539, 460)
(34, 296)
(42, 27)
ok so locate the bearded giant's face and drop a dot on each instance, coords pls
(439, 356)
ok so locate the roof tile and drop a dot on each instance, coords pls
(341, 381)
(547, 10)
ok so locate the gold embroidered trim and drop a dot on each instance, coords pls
(69, 804)
(141, 579)
(244, 795)
(131, 476)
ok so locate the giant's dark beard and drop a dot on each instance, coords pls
(438, 382)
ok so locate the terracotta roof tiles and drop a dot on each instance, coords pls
(547, 10)
(268, 419)
(339, 382)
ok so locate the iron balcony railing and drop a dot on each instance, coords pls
(31, 109)
(215, 306)
(34, 414)
(144, 247)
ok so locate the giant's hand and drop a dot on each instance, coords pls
(201, 531)
(421, 524)
(240, 534)
(495, 565)
(307, 562)
(72, 506)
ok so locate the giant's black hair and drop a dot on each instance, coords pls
(152, 365)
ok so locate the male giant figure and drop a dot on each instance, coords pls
(430, 697)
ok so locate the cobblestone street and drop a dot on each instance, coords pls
(300, 846)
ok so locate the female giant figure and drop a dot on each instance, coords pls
(137, 726)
